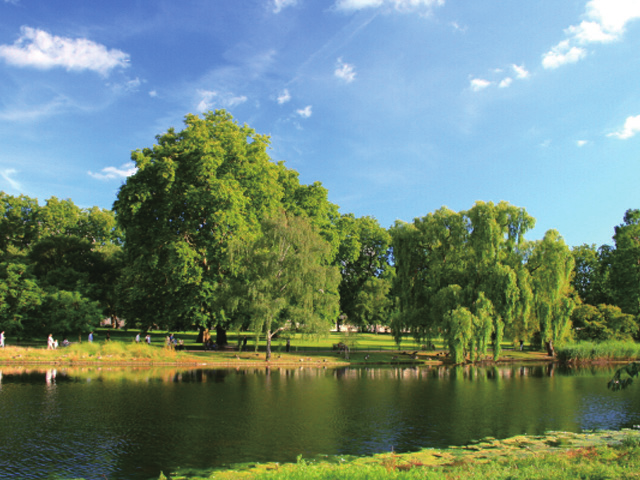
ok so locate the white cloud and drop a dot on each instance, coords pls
(153, 93)
(110, 173)
(39, 49)
(345, 71)
(631, 128)
(478, 84)
(7, 174)
(399, 5)
(284, 97)
(278, 5)
(562, 54)
(304, 112)
(581, 143)
(520, 71)
(605, 22)
(589, 32)
(613, 15)
(505, 82)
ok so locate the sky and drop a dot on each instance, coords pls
(398, 107)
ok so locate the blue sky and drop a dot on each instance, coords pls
(397, 106)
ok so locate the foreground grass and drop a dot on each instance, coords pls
(556, 455)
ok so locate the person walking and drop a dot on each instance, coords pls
(2, 339)
(50, 342)
(90, 337)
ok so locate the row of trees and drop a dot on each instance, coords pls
(210, 233)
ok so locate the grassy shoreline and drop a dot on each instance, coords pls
(554, 455)
(365, 349)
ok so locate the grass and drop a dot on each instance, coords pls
(594, 352)
(556, 455)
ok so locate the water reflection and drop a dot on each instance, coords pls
(133, 422)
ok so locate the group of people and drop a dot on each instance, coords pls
(147, 339)
(52, 343)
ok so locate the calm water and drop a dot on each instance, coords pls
(131, 424)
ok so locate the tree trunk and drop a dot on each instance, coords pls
(221, 336)
(269, 334)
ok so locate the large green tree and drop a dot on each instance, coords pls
(194, 193)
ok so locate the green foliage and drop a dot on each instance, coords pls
(285, 280)
(63, 312)
(625, 264)
(363, 258)
(195, 193)
(464, 276)
(20, 296)
(604, 322)
(551, 266)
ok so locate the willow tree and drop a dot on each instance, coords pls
(551, 266)
(462, 275)
(285, 280)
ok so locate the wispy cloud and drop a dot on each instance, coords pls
(630, 129)
(112, 173)
(424, 6)
(304, 112)
(208, 99)
(345, 71)
(518, 71)
(605, 21)
(505, 82)
(581, 143)
(7, 174)
(284, 97)
(27, 113)
(39, 49)
(278, 5)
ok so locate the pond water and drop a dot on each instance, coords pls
(132, 423)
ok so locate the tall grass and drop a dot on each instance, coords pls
(604, 351)
(92, 352)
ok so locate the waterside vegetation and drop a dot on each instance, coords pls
(555, 455)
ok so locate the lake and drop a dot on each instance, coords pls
(131, 423)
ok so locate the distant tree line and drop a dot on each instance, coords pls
(211, 234)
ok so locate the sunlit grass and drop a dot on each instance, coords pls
(604, 351)
(556, 455)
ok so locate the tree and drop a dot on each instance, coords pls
(604, 322)
(62, 312)
(366, 273)
(195, 193)
(551, 266)
(19, 298)
(625, 264)
(592, 273)
(285, 280)
(462, 275)
(18, 225)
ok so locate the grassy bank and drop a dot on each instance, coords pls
(556, 455)
(365, 348)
